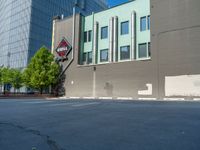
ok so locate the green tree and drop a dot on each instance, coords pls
(0, 76)
(42, 71)
(1, 81)
(16, 79)
(6, 76)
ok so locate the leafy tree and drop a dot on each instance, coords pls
(42, 71)
(1, 81)
(6, 76)
(16, 79)
(0, 76)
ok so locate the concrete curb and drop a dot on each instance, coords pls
(128, 99)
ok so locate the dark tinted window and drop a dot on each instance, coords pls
(85, 36)
(142, 51)
(104, 55)
(89, 36)
(125, 52)
(149, 49)
(149, 22)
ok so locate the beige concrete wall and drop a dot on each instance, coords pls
(175, 38)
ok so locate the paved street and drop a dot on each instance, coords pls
(99, 125)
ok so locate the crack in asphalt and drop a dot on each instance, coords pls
(51, 143)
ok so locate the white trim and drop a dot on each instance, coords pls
(196, 99)
(105, 98)
(53, 37)
(148, 91)
(147, 58)
(147, 98)
(101, 63)
(89, 98)
(125, 60)
(174, 99)
(124, 98)
(74, 97)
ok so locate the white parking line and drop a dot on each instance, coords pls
(37, 102)
(60, 104)
(85, 104)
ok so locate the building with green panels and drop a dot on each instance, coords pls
(119, 34)
(122, 53)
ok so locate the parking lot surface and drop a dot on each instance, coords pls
(98, 125)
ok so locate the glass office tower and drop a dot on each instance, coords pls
(26, 25)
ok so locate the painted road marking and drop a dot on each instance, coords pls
(85, 104)
(37, 102)
(60, 104)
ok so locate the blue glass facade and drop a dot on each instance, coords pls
(26, 25)
(14, 32)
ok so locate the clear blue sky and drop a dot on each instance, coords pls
(115, 2)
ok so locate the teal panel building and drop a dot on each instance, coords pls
(119, 34)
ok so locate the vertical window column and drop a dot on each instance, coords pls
(111, 24)
(133, 35)
(95, 42)
(115, 40)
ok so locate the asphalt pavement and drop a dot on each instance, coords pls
(99, 125)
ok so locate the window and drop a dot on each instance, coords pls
(149, 49)
(148, 20)
(104, 32)
(125, 53)
(142, 51)
(104, 55)
(89, 36)
(85, 36)
(143, 24)
(87, 58)
(124, 28)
